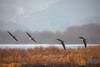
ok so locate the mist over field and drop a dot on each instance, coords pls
(69, 35)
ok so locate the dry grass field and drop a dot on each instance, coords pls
(50, 57)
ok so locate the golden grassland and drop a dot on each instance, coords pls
(49, 57)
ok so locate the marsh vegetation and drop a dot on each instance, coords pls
(49, 57)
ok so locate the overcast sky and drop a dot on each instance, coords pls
(52, 15)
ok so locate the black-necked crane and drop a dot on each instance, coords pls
(14, 37)
(84, 41)
(31, 37)
(62, 42)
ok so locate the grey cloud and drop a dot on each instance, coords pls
(6, 25)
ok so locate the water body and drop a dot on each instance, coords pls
(27, 46)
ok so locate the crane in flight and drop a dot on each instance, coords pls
(62, 42)
(14, 37)
(31, 37)
(84, 41)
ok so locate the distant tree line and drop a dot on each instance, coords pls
(90, 31)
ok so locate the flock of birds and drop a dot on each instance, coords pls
(62, 42)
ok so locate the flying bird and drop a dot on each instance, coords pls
(62, 42)
(31, 37)
(14, 37)
(84, 41)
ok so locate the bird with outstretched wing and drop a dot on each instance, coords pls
(31, 37)
(84, 41)
(62, 42)
(14, 37)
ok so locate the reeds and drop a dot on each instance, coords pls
(49, 55)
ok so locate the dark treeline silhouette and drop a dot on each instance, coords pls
(70, 36)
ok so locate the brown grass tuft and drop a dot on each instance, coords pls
(47, 56)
